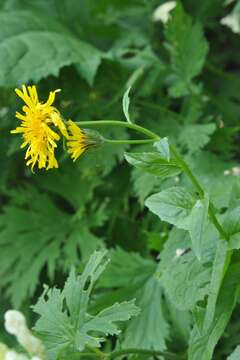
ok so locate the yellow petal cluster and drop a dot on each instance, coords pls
(78, 141)
(40, 126)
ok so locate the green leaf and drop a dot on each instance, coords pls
(178, 207)
(218, 271)
(129, 274)
(188, 49)
(151, 321)
(177, 240)
(231, 225)
(75, 328)
(33, 46)
(209, 170)
(202, 343)
(173, 205)
(153, 163)
(163, 147)
(231, 220)
(195, 137)
(197, 222)
(235, 355)
(71, 183)
(32, 215)
(125, 104)
(144, 184)
(186, 281)
(181, 323)
(126, 268)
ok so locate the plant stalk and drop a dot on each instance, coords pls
(125, 141)
(155, 137)
(121, 124)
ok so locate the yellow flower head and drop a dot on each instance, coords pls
(36, 127)
(79, 140)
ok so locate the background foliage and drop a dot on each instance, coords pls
(185, 85)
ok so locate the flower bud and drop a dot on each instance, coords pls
(80, 140)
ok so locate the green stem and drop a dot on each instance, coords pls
(166, 355)
(97, 352)
(215, 221)
(120, 123)
(178, 157)
(147, 141)
(187, 171)
(200, 190)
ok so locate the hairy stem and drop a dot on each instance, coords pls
(155, 137)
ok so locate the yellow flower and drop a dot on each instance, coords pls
(77, 140)
(80, 140)
(37, 124)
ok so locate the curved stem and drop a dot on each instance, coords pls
(178, 157)
(166, 355)
(147, 141)
(122, 124)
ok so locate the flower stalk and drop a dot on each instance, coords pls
(154, 137)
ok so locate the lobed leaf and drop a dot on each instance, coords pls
(72, 327)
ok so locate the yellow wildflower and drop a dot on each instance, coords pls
(36, 127)
(80, 140)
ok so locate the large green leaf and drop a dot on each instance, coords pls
(186, 281)
(133, 276)
(173, 205)
(188, 49)
(178, 207)
(33, 46)
(203, 342)
(126, 268)
(195, 136)
(75, 328)
(47, 234)
(150, 329)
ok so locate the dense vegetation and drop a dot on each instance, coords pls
(160, 198)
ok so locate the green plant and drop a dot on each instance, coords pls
(152, 92)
